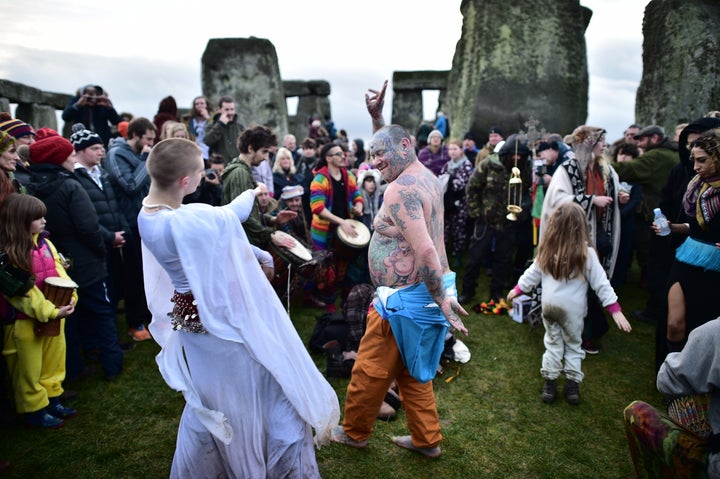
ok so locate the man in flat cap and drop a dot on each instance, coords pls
(651, 170)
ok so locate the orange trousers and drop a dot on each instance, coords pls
(378, 362)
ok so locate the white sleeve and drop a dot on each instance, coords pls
(530, 278)
(242, 205)
(263, 256)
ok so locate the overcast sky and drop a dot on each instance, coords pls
(142, 51)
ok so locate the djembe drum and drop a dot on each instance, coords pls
(59, 292)
(286, 262)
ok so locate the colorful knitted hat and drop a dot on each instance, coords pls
(6, 141)
(83, 138)
(16, 128)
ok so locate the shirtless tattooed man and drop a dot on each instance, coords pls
(416, 295)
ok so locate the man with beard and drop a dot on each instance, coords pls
(416, 300)
(125, 164)
(254, 146)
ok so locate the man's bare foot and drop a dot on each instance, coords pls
(406, 442)
(338, 435)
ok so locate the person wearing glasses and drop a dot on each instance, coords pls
(334, 199)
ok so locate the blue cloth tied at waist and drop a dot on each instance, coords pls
(700, 254)
(418, 325)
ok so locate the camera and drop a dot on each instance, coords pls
(541, 170)
(211, 174)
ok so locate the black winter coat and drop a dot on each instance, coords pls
(71, 221)
(106, 206)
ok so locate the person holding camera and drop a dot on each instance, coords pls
(210, 189)
(92, 107)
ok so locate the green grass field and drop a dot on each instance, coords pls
(494, 423)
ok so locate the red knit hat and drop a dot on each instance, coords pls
(52, 149)
(45, 132)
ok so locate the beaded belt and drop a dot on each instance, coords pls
(184, 316)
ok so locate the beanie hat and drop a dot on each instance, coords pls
(497, 130)
(52, 149)
(45, 132)
(436, 132)
(6, 141)
(122, 128)
(16, 128)
(83, 138)
(546, 145)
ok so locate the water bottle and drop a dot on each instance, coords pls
(662, 222)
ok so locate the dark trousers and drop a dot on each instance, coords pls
(92, 326)
(479, 250)
(130, 283)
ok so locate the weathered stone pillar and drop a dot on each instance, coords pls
(247, 70)
(407, 108)
(519, 59)
(38, 116)
(681, 65)
(313, 98)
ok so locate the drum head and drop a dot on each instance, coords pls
(59, 282)
(362, 238)
(298, 250)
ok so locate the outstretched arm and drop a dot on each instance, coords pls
(375, 103)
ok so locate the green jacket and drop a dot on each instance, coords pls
(236, 179)
(651, 170)
(487, 193)
(222, 138)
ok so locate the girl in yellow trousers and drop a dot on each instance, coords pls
(36, 363)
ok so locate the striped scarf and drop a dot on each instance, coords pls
(702, 199)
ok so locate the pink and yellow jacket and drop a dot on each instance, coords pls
(46, 264)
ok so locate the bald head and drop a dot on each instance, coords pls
(391, 151)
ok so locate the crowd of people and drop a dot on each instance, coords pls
(113, 207)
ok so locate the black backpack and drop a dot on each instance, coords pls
(328, 327)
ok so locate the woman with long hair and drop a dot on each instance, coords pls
(8, 162)
(695, 273)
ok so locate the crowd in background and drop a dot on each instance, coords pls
(500, 188)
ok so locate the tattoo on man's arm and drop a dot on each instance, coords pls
(432, 280)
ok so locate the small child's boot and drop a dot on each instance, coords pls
(549, 391)
(572, 392)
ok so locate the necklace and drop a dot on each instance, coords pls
(157, 206)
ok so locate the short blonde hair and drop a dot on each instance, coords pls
(173, 159)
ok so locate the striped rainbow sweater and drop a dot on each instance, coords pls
(321, 197)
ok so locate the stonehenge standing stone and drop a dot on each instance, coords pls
(407, 107)
(681, 65)
(247, 70)
(515, 60)
(313, 98)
